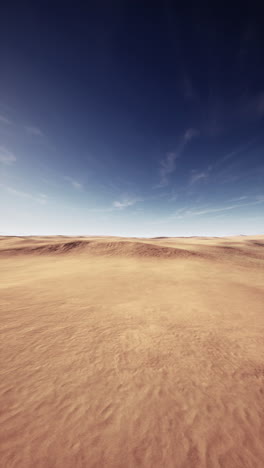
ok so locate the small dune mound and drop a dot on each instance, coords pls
(137, 249)
(255, 243)
(46, 249)
(227, 251)
(101, 248)
(61, 248)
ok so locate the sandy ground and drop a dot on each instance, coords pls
(132, 353)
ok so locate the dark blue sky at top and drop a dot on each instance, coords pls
(130, 114)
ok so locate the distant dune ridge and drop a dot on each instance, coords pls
(161, 247)
(132, 352)
(113, 248)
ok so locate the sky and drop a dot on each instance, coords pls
(120, 119)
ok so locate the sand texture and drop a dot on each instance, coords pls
(131, 353)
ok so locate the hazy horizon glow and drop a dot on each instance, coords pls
(131, 122)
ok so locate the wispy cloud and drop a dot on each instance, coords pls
(34, 131)
(167, 167)
(126, 202)
(191, 133)
(218, 209)
(243, 197)
(198, 176)
(6, 156)
(117, 205)
(75, 183)
(215, 170)
(168, 164)
(40, 198)
(184, 212)
(236, 151)
(5, 120)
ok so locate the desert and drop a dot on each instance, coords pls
(132, 352)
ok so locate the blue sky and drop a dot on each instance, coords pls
(125, 121)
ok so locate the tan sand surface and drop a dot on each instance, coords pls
(132, 352)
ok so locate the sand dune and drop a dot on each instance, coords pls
(115, 248)
(132, 352)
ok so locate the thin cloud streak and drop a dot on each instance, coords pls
(212, 168)
(191, 133)
(243, 197)
(118, 205)
(5, 120)
(168, 164)
(167, 167)
(197, 176)
(235, 152)
(216, 210)
(182, 213)
(41, 198)
(6, 156)
(77, 185)
(126, 203)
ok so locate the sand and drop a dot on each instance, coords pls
(132, 352)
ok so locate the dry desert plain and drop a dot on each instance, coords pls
(131, 353)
